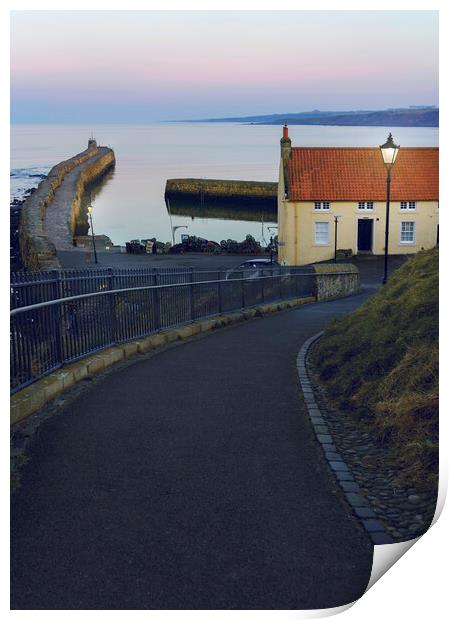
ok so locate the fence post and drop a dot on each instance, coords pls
(220, 293)
(12, 291)
(56, 276)
(243, 289)
(192, 298)
(59, 346)
(262, 286)
(157, 300)
(58, 314)
(111, 279)
(112, 306)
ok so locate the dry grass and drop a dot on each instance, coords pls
(381, 364)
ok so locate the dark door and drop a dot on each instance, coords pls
(365, 236)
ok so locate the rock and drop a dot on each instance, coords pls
(414, 499)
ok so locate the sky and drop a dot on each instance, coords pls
(133, 66)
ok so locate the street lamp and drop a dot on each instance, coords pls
(389, 152)
(174, 229)
(337, 218)
(89, 211)
(272, 243)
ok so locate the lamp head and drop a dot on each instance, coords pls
(389, 151)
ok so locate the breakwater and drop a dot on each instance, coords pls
(222, 189)
(249, 210)
(49, 214)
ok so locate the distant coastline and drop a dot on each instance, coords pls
(414, 116)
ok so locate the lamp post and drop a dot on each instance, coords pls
(389, 152)
(337, 218)
(272, 242)
(174, 229)
(89, 211)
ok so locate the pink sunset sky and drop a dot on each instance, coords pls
(150, 66)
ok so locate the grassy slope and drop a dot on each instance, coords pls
(381, 364)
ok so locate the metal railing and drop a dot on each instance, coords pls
(46, 335)
(28, 288)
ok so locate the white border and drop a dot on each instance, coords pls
(416, 586)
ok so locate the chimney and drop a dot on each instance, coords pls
(286, 144)
(286, 149)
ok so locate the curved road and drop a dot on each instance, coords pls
(190, 480)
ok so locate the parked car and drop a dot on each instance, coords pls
(254, 268)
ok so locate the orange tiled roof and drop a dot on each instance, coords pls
(317, 173)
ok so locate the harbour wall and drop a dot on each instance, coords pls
(333, 281)
(222, 189)
(87, 176)
(38, 251)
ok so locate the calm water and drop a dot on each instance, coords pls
(130, 205)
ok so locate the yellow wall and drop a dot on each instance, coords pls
(296, 222)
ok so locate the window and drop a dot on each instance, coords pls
(409, 205)
(366, 206)
(407, 232)
(321, 233)
(322, 206)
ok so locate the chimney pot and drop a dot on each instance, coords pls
(285, 132)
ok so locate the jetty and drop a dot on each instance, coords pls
(223, 190)
(49, 215)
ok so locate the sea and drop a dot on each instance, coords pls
(129, 203)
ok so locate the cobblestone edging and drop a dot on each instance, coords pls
(344, 477)
(388, 512)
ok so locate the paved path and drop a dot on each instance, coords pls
(190, 480)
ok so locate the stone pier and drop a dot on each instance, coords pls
(222, 189)
(49, 214)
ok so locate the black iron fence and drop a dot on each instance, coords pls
(49, 333)
(28, 288)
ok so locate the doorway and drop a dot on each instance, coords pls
(365, 235)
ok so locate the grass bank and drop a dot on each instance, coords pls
(380, 363)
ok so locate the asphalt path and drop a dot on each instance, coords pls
(190, 479)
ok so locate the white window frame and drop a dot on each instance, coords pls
(407, 205)
(322, 243)
(365, 205)
(322, 205)
(413, 241)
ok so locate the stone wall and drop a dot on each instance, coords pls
(219, 188)
(37, 251)
(343, 280)
(86, 177)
